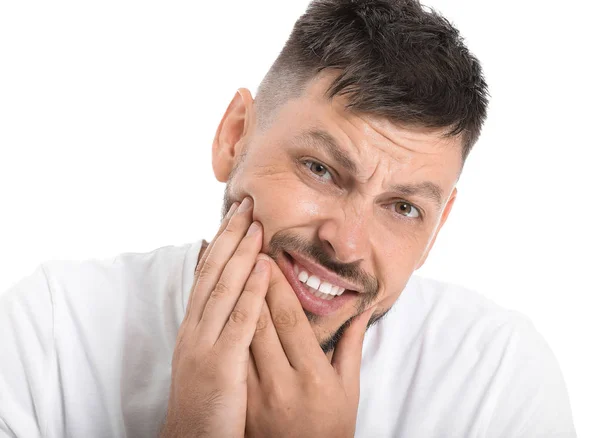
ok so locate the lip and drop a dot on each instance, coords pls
(323, 273)
(310, 302)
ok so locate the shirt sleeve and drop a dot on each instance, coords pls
(534, 401)
(27, 356)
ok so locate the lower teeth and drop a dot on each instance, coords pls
(318, 294)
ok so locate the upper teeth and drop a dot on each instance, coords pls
(316, 283)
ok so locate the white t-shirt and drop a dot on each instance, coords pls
(86, 347)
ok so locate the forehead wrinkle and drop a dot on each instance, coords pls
(323, 140)
(425, 189)
(408, 138)
(378, 163)
(364, 146)
(367, 127)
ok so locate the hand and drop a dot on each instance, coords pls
(293, 389)
(210, 363)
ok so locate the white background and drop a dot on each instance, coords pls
(108, 109)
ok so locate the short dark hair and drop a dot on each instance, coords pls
(396, 60)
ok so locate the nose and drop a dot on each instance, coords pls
(344, 233)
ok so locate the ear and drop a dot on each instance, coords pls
(445, 214)
(228, 143)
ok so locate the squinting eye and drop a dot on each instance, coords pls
(318, 169)
(406, 209)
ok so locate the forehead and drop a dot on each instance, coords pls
(313, 120)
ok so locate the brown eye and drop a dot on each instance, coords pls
(406, 209)
(318, 169)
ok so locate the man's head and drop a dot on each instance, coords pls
(352, 150)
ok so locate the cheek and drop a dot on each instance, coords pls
(309, 207)
(282, 202)
(398, 254)
(396, 264)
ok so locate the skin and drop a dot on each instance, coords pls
(248, 361)
(245, 362)
(351, 219)
(208, 396)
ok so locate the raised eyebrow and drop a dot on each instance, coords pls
(425, 189)
(325, 142)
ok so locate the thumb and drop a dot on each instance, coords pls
(348, 353)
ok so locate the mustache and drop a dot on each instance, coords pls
(283, 241)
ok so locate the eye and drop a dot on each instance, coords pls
(318, 169)
(406, 209)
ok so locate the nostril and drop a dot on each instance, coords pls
(329, 247)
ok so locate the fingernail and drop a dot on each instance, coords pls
(253, 229)
(260, 265)
(245, 205)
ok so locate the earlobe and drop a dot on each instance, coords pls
(232, 131)
(445, 214)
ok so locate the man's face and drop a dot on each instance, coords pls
(346, 197)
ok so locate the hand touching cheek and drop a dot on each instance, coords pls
(210, 362)
(293, 389)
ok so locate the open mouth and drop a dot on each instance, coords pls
(316, 295)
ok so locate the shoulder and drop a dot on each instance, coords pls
(459, 321)
(156, 262)
(452, 316)
(115, 279)
(462, 309)
(62, 319)
(73, 294)
(490, 358)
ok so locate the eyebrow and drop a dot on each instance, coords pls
(425, 189)
(325, 142)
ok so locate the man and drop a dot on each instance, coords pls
(339, 176)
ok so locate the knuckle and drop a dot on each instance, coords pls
(275, 395)
(238, 316)
(262, 324)
(207, 267)
(285, 319)
(279, 401)
(314, 379)
(220, 290)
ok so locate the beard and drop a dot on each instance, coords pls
(282, 241)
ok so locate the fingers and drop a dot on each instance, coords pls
(205, 254)
(293, 329)
(224, 247)
(240, 322)
(227, 290)
(347, 356)
(269, 357)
